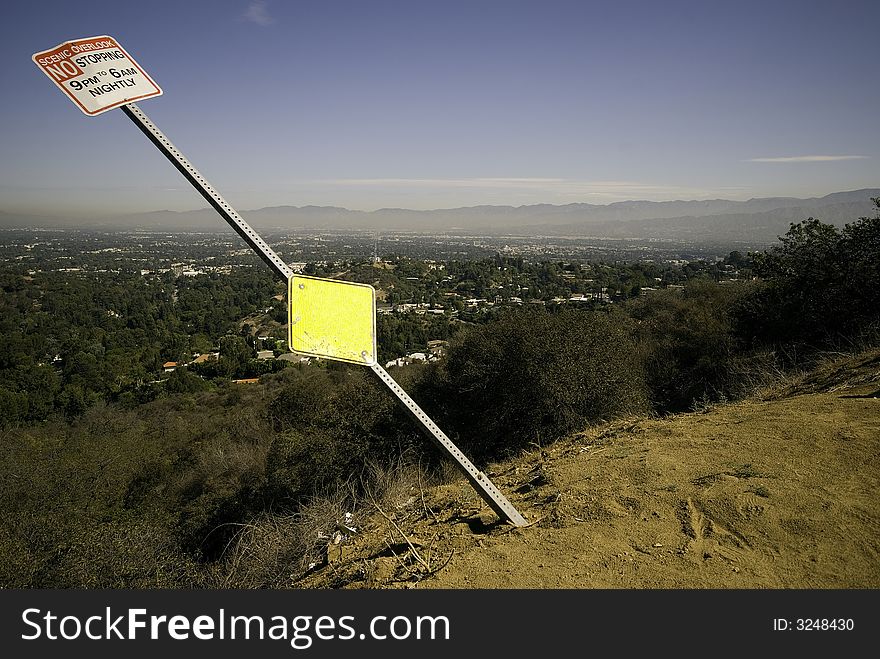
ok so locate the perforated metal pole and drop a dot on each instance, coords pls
(484, 487)
(213, 197)
(481, 483)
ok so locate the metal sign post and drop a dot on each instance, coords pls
(484, 487)
(204, 188)
(344, 333)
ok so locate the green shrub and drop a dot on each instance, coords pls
(690, 345)
(181, 381)
(116, 554)
(820, 286)
(534, 377)
(330, 425)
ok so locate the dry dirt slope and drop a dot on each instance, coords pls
(775, 492)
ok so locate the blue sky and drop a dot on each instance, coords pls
(432, 104)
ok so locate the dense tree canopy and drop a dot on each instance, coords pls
(821, 284)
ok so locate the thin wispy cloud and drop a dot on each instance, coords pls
(535, 187)
(258, 12)
(785, 159)
(446, 182)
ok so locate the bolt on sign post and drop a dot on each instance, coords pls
(329, 319)
(332, 319)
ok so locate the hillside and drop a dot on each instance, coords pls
(779, 491)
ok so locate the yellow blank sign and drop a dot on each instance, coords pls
(332, 319)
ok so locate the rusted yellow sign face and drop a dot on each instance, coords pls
(332, 319)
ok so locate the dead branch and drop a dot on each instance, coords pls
(412, 547)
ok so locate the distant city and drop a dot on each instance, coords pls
(220, 251)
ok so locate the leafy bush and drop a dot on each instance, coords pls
(114, 554)
(534, 377)
(689, 343)
(820, 285)
(181, 381)
(332, 423)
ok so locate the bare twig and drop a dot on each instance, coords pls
(412, 547)
(422, 493)
(514, 528)
(443, 565)
(400, 560)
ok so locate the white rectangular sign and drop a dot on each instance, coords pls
(96, 73)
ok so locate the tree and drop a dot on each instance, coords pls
(74, 400)
(861, 245)
(13, 407)
(820, 284)
(181, 381)
(234, 354)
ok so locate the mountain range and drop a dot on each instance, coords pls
(758, 220)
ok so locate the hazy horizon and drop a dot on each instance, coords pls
(756, 221)
(206, 208)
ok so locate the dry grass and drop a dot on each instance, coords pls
(274, 550)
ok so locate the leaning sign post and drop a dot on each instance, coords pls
(327, 318)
